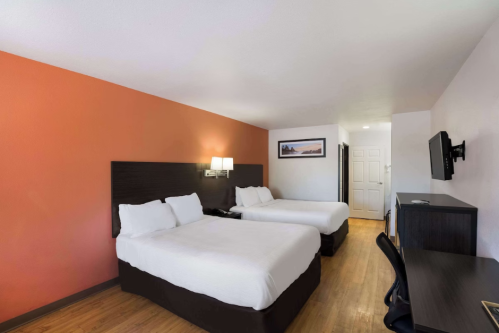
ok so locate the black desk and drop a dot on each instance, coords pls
(446, 290)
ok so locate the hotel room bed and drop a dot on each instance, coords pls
(220, 274)
(330, 218)
(225, 276)
(218, 258)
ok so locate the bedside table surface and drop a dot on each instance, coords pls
(230, 215)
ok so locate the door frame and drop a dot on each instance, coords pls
(346, 180)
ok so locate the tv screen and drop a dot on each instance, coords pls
(442, 166)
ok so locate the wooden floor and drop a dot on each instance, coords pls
(348, 299)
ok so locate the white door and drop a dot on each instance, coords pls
(367, 192)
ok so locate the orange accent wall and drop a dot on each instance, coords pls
(59, 130)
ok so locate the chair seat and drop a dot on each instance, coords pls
(403, 325)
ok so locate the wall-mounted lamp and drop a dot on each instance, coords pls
(220, 167)
(228, 164)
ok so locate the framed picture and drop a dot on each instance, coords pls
(304, 148)
(493, 311)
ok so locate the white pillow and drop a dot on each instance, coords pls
(126, 227)
(239, 201)
(249, 196)
(187, 208)
(137, 220)
(264, 194)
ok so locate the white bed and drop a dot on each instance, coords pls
(327, 217)
(218, 257)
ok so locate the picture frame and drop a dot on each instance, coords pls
(302, 148)
(493, 312)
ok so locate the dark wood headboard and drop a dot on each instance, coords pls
(140, 182)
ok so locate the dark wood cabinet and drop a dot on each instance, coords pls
(445, 224)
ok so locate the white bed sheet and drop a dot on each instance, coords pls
(238, 262)
(327, 217)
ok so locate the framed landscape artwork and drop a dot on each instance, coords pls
(304, 148)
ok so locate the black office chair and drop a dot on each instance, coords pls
(399, 317)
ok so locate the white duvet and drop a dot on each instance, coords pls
(327, 217)
(238, 262)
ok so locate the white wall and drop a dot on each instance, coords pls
(343, 135)
(411, 170)
(306, 178)
(382, 139)
(469, 110)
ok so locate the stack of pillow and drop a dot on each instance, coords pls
(251, 196)
(137, 220)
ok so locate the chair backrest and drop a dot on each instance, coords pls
(386, 245)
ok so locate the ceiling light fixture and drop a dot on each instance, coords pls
(365, 127)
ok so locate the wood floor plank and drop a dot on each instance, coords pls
(348, 299)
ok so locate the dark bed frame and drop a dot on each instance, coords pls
(331, 243)
(219, 317)
(140, 182)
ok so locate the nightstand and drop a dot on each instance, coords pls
(230, 215)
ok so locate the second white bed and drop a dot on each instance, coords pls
(238, 262)
(327, 217)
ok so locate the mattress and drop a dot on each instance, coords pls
(238, 262)
(327, 217)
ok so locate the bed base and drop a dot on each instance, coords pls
(331, 243)
(216, 316)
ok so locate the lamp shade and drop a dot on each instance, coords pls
(216, 163)
(228, 163)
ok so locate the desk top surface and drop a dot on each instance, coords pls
(436, 201)
(446, 290)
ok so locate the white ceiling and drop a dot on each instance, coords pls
(273, 64)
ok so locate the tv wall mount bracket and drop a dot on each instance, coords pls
(458, 151)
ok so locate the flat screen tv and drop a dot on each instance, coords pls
(443, 155)
(442, 166)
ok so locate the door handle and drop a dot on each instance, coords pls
(380, 183)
